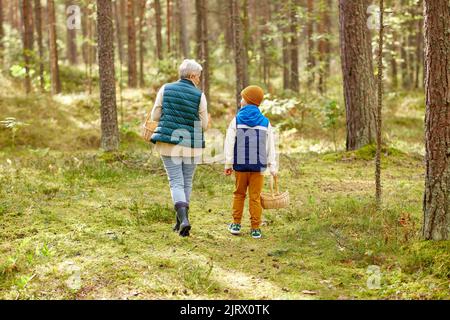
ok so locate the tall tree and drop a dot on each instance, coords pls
(38, 20)
(142, 5)
(436, 204)
(284, 32)
(324, 31)
(71, 40)
(2, 32)
(245, 25)
(132, 62)
(184, 37)
(265, 42)
(169, 25)
(53, 48)
(311, 59)
(158, 29)
(118, 27)
(108, 108)
(379, 108)
(238, 46)
(294, 43)
(202, 42)
(357, 69)
(27, 11)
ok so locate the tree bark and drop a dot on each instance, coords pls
(158, 28)
(238, 46)
(393, 61)
(284, 31)
(311, 60)
(324, 46)
(359, 80)
(437, 120)
(132, 64)
(169, 26)
(71, 37)
(202, 42)
(108, 108)
(245, 25)
(118, 25)
(38, 20)
(294, 82)
(54, 63)
(27, 10)
(184, 36)
(265, 19)
(2, 33)
(142, 6)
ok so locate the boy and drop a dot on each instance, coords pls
(249, 151)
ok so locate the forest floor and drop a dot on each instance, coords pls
(81, 224)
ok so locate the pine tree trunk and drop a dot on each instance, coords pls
(238, 48)
(311, 60)
(38, 19)
(158, 28)
(108, 109)
(205, 48)
(54, 63)
(437, 120)
(393, 61)
(245, 25)
(184, 37)
(2, 33)
(142, 5)
(418, 80)
(27, 10)
(294, 82)
(225, 6)
(264, 42)
(202, 42)
(378, 187)
(359, 81)
(118, 25)
(132, 64)
(84, 32)
(324, 46)
(169, 26)
(72, 54)
(284, 32)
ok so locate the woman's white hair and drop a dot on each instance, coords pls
(189, 68)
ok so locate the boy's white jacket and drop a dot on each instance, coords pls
(271, 150)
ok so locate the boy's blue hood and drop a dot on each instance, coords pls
(251, 116)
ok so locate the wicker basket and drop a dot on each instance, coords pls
(274, 199)
(148, 128)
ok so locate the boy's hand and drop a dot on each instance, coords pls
(274, 173)
(228, 172)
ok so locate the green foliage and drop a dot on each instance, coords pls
(14, 126)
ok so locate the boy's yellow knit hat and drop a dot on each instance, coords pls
(253, 95)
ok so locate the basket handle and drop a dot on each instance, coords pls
(274, 181)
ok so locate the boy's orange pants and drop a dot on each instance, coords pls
(254, 181)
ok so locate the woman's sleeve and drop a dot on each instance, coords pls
(203, 112)
(157, 107)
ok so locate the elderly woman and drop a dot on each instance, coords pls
(181, 111)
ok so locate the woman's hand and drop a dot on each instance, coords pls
(228, 172)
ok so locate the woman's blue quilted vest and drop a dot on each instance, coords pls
(180, 122)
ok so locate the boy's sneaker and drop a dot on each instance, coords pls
(256, 233)
(234, 228)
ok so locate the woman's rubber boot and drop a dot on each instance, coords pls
(185, 226)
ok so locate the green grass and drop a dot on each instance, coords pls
(113, 221)
(77, 223)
